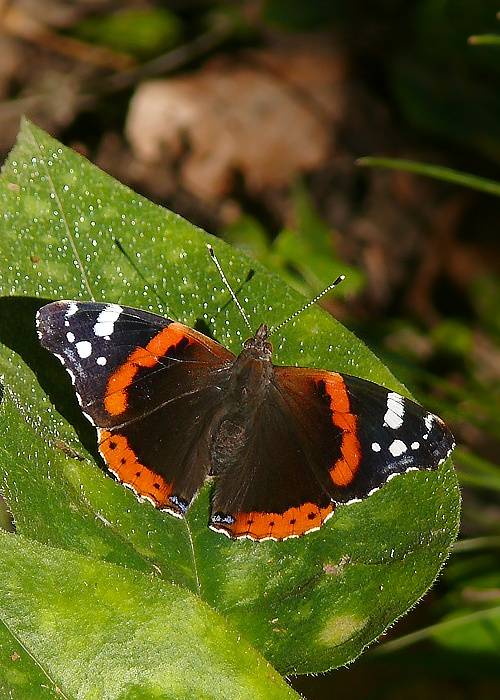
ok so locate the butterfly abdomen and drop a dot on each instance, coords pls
(227, 444)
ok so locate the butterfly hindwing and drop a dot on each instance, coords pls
(140, 378)
(268, 489)
(321, 439)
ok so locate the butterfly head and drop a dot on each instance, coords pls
(258, 345)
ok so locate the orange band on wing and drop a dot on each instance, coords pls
(292, 523)
(115, 399)
(343, 471)
(124, 464)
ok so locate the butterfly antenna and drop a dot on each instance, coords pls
(307, 305)
(226, 282)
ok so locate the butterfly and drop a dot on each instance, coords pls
(283, 445)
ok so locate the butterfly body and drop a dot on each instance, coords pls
(284, 445)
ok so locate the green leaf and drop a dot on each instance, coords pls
(65, 501)
(99, 631)
(438, 172)
(141, 32)
(70, 231)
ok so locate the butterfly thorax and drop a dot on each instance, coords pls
(252, 371)
(248, 386)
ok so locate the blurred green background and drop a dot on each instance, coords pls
(248, 119)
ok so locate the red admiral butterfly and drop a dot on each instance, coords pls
(286, 445)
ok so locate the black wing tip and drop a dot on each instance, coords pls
(54, 307)
(48, 320)
(447, 443)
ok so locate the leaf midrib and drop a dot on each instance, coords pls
(85, 279)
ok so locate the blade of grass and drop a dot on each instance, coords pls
(480, 482)
(472, 544)
(438, 172)
(484, 40)
(475, 471)
(440, 627)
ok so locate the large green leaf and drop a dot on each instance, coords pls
(310, 604)
(143, 639)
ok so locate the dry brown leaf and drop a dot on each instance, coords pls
(267, 115)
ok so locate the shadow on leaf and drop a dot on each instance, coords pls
(17, 332)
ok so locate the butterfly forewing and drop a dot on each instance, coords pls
(147, 383)
(373, 434)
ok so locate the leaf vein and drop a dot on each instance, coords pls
(71, 240)
(15, 636)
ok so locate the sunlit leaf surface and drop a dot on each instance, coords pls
(144, 638)
(70, 231)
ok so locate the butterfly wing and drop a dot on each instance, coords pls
(321, 439)
(147, 384)
(269, 490)
(373, 434)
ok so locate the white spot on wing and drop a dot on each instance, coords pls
(429, 422)
(70, 336)
(84, 349)
(415, 445)
(72, 309)
(105, 324)
(89, 418)
(397, 448)
(375, 447)
(101, 361)
(395, 411)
